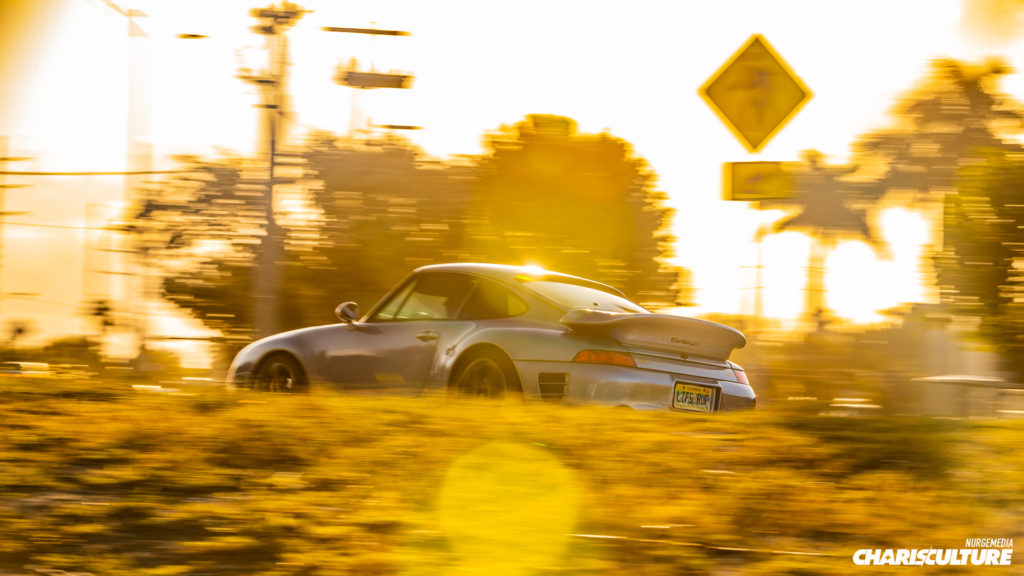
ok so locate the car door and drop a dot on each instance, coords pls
(396, 347)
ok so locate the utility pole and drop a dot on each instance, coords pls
(138, 153)
(274, 21)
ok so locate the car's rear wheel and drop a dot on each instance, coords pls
(280, 373)
(488, 374)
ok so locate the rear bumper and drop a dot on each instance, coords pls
(622, 386)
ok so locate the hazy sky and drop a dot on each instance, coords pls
(630, 68)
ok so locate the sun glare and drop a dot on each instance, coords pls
(862, 281)
(855, 283)
(507, 508)
(78, 97)
(784, 276)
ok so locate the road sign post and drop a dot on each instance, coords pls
(755, 94)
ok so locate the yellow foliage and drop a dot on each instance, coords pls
(323, 483)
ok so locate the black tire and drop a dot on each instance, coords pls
(487, 374)
(280, 373)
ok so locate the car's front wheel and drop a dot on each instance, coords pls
(280, 373)
(489, 374)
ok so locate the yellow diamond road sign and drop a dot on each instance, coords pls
(755, 93)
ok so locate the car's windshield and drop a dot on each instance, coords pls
(571, 296)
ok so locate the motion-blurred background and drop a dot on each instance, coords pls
(179, 178)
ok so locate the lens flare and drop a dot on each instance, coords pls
(508, 509)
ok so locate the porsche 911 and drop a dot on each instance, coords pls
(495, 331)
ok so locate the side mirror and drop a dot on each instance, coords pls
(347, 312)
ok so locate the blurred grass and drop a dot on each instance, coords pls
(101, 478)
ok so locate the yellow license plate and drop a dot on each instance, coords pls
(693, 398)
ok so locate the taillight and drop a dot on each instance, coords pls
(741, 376)
(605, 357)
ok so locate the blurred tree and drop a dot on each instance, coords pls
(831, 208)
(981, 271)
(952, 118)
(198, 234)
(386, 209)
(154, 362)
(74, 350)
(954, 147)
(357, 220)
(577, 203)
(362, 215)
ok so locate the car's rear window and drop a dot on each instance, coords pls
(490, 300)
(572, 296)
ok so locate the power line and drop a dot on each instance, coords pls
(371, 31)
(122, 173)
(9, 296)
(65, 227)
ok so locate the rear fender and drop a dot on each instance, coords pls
(524, 344)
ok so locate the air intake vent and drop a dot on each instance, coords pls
(552, 385)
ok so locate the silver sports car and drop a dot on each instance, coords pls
(491, 330)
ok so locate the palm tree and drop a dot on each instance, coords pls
(951, 119)
(950, 148)
(832, 209)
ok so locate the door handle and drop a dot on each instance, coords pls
(427, 336)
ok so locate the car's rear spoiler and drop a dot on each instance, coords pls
(660, 332)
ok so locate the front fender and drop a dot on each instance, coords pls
(247, 359)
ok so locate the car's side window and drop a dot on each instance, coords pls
(390, 309)
(491, 300)
(430, 297)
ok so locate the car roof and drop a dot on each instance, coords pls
(509, 274)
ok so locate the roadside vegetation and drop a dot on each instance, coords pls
(109, 479)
